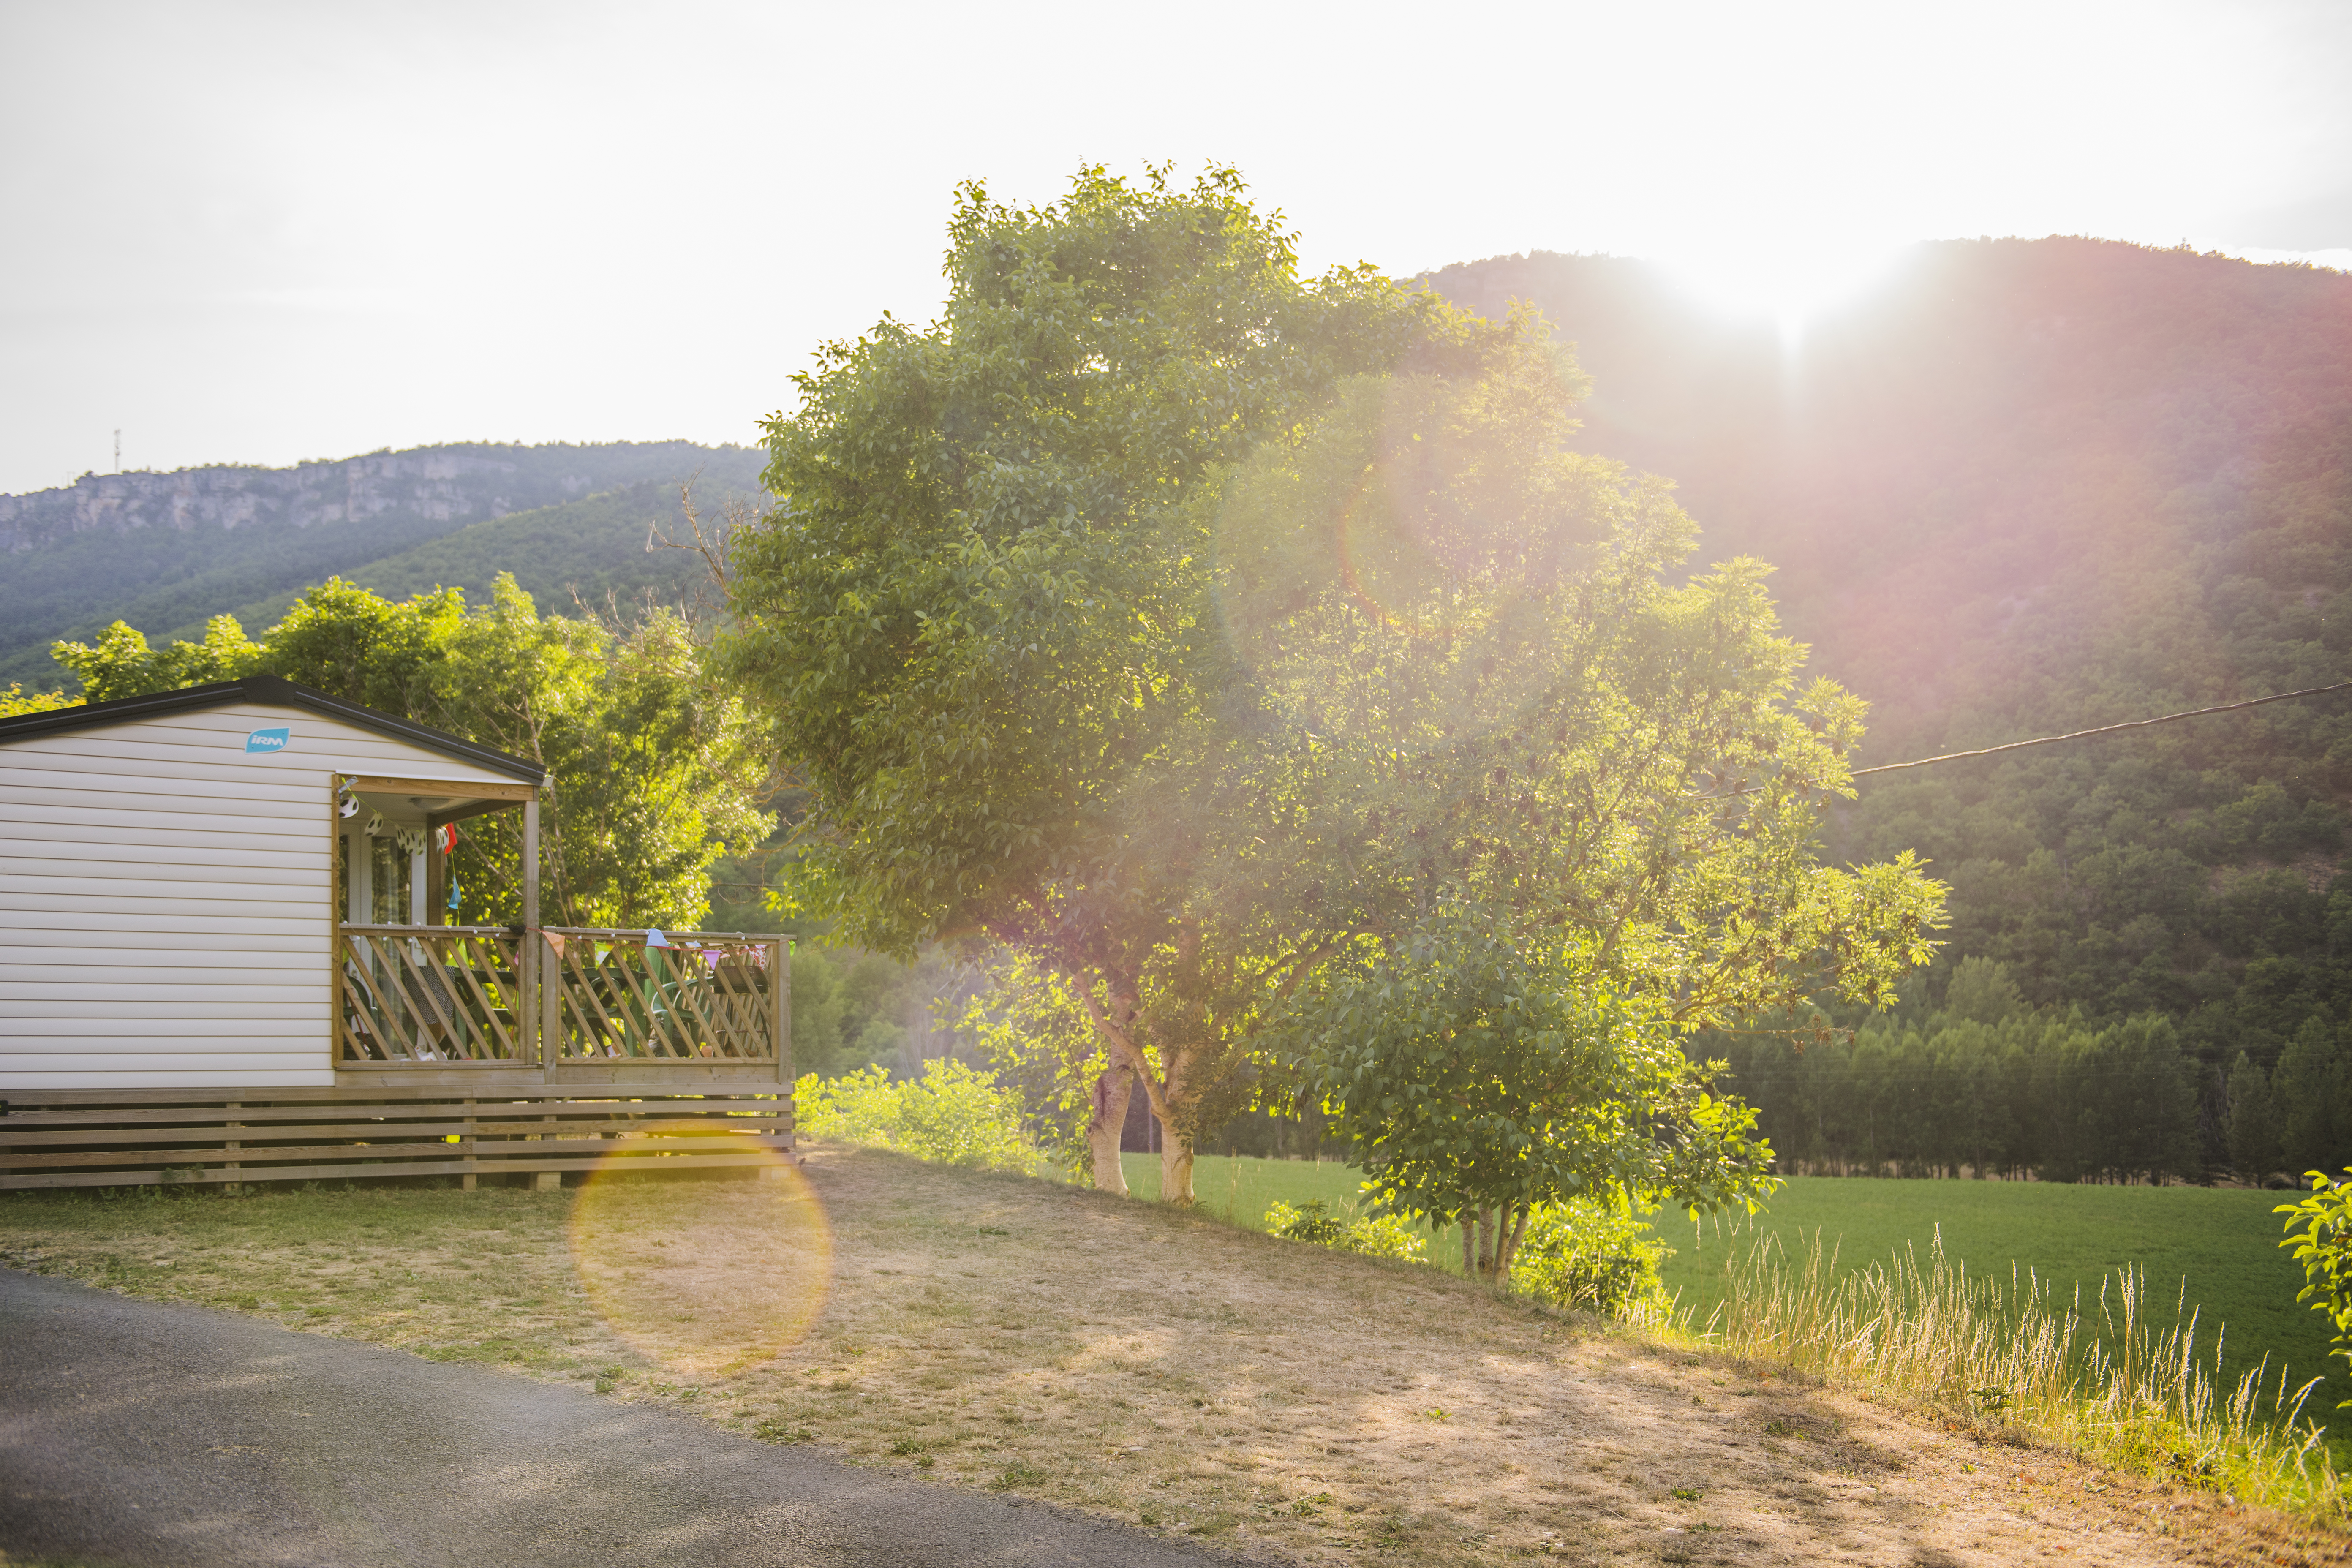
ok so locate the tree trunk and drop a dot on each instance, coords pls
(1175, 1167)
(1109, 1120)
(1514, 1231)
(1469, 1223)
(1485, 1244)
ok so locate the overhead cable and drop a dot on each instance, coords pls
(2106, 730)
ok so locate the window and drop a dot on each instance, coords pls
(388, 867)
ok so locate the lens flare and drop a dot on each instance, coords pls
(707, 1278)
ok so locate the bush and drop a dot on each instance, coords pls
(1312, 1221)
(952, 1115)
(1592, 1258)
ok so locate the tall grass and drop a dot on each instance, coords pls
(2099, 1375)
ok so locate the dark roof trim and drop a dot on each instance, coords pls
(280, 693)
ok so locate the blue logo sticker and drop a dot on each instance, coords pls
(269, 740)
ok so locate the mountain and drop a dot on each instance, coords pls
(165, 551)
(2029, 487)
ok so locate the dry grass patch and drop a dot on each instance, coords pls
(1280, 1400)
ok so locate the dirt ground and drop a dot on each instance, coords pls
(1284, 1402)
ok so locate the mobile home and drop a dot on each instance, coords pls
(226, 958)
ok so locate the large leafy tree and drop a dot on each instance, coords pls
(985, 615)
(1191, 629)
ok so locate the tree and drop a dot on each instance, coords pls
(2312, 1091)
(984, 620)
(2253, 1122)
(1479, 1077)
(1188, 628)
(121, 664)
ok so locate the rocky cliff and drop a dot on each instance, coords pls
(437, 484)
(165, 551)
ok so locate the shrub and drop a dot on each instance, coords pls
(952, 1115)
(1312, 1221)
(1385, 1236)
(1597, 1259)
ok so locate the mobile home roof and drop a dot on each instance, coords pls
(270, 689)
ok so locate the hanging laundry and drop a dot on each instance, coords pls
(444, 838)
(453, 892)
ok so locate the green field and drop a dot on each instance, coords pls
(2213, 1247)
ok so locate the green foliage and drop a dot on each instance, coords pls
(17, 699)
(1030, 1027)
(1491, 688)
(2254, 1137)
(1312, 1221)
(952, 1115)
(2311, 1088)
(2319, 1234)
(121, 664)
(652, 770)
(1472, 1070)
(1372, 1235)
(1597, 1258)
(1930, 1093)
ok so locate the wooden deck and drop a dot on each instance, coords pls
(91, 1138)
(470, 1051)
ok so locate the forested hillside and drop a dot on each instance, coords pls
(2026, 487)
(166, 552)
(593, 549)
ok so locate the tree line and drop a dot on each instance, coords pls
(1980, 1084)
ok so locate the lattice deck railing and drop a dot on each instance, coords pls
(431, 994)
(699, 998)
(490, 995)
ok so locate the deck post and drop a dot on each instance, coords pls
(531, 972)
(780, 990)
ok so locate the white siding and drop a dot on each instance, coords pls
(167, 899)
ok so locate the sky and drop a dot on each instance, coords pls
(272, 232)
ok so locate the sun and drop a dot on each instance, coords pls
(1788, 284)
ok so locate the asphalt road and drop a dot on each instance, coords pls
(135, 1434)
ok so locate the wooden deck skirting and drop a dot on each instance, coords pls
(112, 1138)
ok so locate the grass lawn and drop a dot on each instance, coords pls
(1282, 1401)
(1239, 1188)
(2221, 1240)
